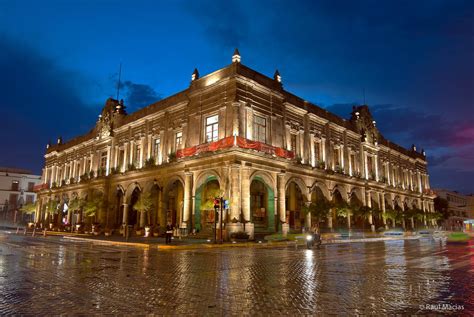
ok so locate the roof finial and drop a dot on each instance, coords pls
(195, 75)
(236, 56)
(277, 76)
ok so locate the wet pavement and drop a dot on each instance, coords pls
(44, 276)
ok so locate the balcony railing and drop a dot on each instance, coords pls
(235, 141)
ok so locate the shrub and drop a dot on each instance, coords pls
(239, 235)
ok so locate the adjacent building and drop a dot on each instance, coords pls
(237, 134)
(16, 190)
(460, 207)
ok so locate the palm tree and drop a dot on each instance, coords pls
(343, 210)
(363, 212)
(29, 209)
(77, 204)
(391, 215)
(143, 205)
(93, 205)
(318, 209)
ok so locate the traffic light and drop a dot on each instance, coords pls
(216, 203)
(226, 204)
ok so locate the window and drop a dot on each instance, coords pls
(103, 160)
(137, 155)
(13, 201)
(15, 185)
(259, 129)
(212, 129)
(179, 140)
(31, 186)
(30, 199)
(370, 167)
(293, 143)
(353, 163)
(156, 150)
(337, 158)
(121, 158)
(317, 152)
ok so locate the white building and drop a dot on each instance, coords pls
(16, 189)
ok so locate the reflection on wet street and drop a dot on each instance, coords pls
(53, 276)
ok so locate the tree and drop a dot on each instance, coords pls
(441, 205)
(143, 205)
(363, 212)
(28, 209)
(319, 209)
(76, 204)
(93, 204)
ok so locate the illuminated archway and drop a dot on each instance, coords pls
(262, 205)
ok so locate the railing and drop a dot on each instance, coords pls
(234, 141)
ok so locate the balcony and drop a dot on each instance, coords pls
(235, 141)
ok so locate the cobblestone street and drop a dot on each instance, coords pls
(50, 275)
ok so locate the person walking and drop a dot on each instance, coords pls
(169, 232)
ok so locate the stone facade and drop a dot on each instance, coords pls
(238, 134)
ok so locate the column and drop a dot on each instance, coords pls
(245, 200)
(368, 201)
(125, 218)
(376, 158)
(125, 156)
(382, 206)
(281, 204)
(188, 185)
(234, 225)
(107, 165)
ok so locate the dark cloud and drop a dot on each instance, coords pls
(224, 22)
(138, 95)
(39, 100)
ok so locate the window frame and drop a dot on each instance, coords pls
(214, 132)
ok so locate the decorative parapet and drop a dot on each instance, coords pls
(235, 141)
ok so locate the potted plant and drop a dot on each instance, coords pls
(239, 236)
(150, 162)
(172, 157)
(156, 231)
(139, 231)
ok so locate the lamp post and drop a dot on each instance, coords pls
(221, 215)
(216, 208)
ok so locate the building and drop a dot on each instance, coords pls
(238, 134)
(460, 207)
(16, 189)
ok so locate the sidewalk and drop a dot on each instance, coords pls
(190, 243)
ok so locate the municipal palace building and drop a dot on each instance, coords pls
(236, 134)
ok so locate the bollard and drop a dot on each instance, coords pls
(24, 233)
(17, 230)
(34, 231)
(44, 232)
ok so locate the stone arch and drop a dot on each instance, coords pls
(322, 187)
(173, 201)
(152, 183)
(268, 178)
(262, 202)
(202, 177)
(358, 192)
(129, 190)
(201, 217)
(342, 191)
(300, 183)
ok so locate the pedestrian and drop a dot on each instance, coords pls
(169, 232)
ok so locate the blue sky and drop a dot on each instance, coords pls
(414, 59)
